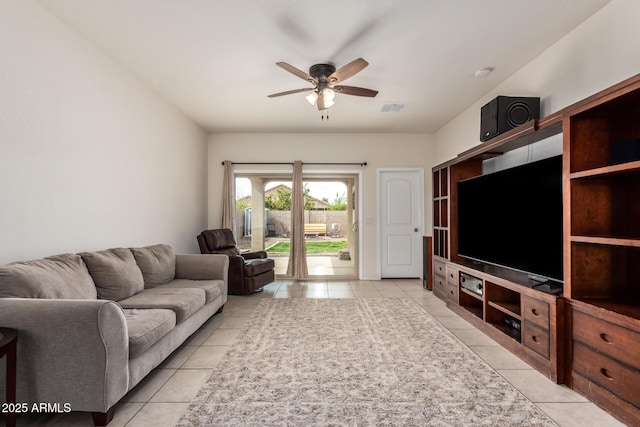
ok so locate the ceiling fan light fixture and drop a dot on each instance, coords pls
(312, 97)
(328, 95)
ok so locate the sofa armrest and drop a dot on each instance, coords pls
(254, 255)
(72, 352)
(202, 267)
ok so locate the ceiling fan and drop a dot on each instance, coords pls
(325, 79)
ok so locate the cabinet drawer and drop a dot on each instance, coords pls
(536, 338)
(608, 338)
(439, 268)
(439, 282)
(607, 373)
(452, 275)
(452, 293)
(536, 312)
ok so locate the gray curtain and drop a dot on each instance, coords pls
(228, 197)
(298, 255)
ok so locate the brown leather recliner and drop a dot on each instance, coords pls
(248, 272)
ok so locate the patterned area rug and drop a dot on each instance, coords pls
(354, 362)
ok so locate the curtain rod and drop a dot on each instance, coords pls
(291, 163)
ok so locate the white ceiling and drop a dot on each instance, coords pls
(215, 59)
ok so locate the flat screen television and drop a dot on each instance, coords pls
(513, 218)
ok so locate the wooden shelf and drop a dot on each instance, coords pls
(471, 294)
(528, 133)
(612, 241)
(476, 311)
(510, 332)
(508, 307)
(608, 171)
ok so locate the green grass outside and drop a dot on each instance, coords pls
(311, 247)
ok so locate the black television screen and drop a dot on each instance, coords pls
(513, 218)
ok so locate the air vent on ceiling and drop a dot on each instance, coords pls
(392, 106)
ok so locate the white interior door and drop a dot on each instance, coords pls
(401, 222)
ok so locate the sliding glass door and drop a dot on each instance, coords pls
(263, 221)
(328, 221)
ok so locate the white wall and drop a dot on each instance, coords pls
(378, 150)
(601, 52)
(89, 157)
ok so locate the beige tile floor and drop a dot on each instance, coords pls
(321, 266)
(165, 394)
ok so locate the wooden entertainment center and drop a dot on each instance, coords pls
(589, 336)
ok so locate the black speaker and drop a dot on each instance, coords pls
(506, 112)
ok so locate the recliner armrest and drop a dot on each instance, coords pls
(254, 255)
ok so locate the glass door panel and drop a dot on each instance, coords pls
(330, 213)
(328, 224)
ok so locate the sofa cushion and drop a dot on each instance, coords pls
(115, 273)
(253, 267)
(56, 277)
(146, 327)
(157, 263)
(183, 302)
(212, 288)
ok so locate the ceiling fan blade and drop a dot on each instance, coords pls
(357, 91)
(289, 92)
(296, 72)
(346, 71)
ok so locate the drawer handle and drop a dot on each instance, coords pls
(535, 339)
(606, 374)
(534, 312)
(605, 338)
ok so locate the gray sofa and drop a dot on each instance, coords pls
(92, 325)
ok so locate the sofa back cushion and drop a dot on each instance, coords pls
(157, 263)
(56, 277)
(115, 273)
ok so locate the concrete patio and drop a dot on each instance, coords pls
(319, 266)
